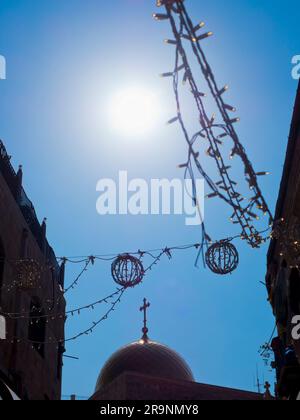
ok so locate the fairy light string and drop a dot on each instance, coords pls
(214, 133)
(88, 331)
(89, 261)
(154, 254)
(72, 312)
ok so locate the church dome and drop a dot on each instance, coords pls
(148, 358)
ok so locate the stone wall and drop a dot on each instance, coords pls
(283, 276)
(30, 375)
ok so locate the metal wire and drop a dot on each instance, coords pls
(226, 189)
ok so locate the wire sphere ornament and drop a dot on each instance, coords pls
(222, 258)
(127, 271)
(28, 274)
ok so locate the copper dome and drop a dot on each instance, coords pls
(148, 358)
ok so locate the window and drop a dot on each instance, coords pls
(294, 291)
(37, 327)
(2, 262)
(60, 352)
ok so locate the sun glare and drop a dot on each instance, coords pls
(134, 112)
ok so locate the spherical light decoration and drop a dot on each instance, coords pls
(127, 271)
(28, 274)
(222, 258)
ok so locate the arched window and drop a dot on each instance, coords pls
(2, 262)
(37, 326)
(60, 352)
(280, 300)
(294, 291)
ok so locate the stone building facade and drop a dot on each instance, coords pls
(283, 277)
(31, 298)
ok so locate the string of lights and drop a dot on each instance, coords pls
(77, 311)
(150, 252)
(155, 254)
(52, 317)
(28, 273)
(90, 260)
(88, 331)
(244, 211)
(72, 312)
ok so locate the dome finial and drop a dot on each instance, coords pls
(145, 329)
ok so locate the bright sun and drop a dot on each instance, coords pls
(134, 112)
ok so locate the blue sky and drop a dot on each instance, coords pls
(65, 60)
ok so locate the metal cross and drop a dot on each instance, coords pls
(145, 329)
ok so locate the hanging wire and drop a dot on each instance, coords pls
(267, 347)
(90, 260)
(226, 189)
(72, 312)
(150, 252)
(88, 331)
(156, 259)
